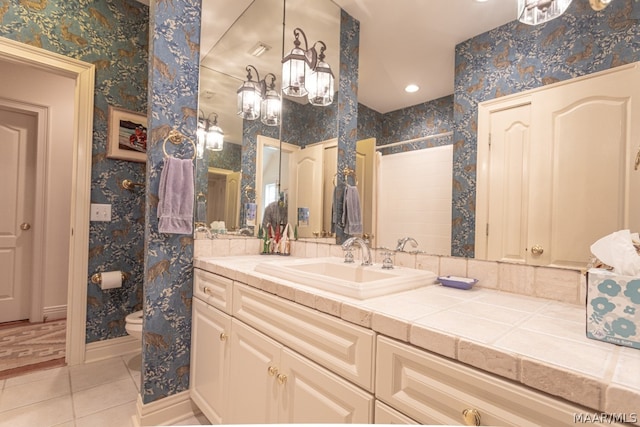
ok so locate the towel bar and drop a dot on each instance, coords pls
(127, 184)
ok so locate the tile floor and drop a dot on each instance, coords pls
(95, 394)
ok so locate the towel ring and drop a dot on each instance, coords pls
(347, 172)
(175, 137)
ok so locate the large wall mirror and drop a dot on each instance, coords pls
(256, 152)
(251, 167)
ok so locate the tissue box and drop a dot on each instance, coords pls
(613, 308)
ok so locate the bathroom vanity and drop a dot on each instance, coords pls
(267, 350)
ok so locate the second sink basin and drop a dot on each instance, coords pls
(351, 280)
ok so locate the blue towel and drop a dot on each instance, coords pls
(175, 194)
(351, 215)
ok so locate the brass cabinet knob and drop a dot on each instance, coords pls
(471, 417)
(272, 370)
(25, 226)
(223, 336)
(282, 379)
(537, 250)
(207, 290)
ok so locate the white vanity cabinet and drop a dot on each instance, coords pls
(273, 384)
(434, 390)
(209, 360)
(385, 414)
(249, 374)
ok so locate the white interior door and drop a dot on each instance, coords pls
(508, 199)
(308, 184)
(330, 168)
(233, 200)
(216, 197)
(18, 141)
(586, 187)
(556, 169)
(365, 173)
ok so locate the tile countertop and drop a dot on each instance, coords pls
(539, 343)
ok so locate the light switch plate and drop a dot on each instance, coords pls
(100, 212)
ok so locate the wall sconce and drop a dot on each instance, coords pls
(304, 72)
(255, 97)
(534, 12)
(210, 135)
(270, 105)
(599, 4)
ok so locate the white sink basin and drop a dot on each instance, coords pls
(351, 280)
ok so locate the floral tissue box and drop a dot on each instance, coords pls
(613, 308)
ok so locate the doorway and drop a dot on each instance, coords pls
(75, 236)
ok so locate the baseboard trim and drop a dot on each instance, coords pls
(54, 312)
(166, 411)
(114, 347)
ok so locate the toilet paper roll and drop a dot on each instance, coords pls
(111, 279)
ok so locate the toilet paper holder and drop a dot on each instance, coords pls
(97, 278)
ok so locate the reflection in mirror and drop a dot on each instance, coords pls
(259, 31)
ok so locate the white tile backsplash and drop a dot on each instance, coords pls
(564, 285)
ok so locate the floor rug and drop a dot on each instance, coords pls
(32, 344)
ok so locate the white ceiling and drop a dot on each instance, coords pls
(401, 42)
(413, 41)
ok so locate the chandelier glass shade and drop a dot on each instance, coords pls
(210, 135)
(534, 12)
(256, 99)
(305, 73)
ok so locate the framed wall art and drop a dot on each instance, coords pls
(127, 135)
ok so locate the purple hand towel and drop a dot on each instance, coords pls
(175, 206)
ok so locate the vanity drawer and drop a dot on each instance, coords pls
(339, 346)
(213, 289)
(435, 390)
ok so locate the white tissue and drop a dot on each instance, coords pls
(617, 251)
(111, 279)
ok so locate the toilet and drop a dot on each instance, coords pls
(133, 324)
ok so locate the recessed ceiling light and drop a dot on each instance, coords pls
(412, 88)
(259, 49)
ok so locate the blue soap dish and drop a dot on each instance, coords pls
(457, 282)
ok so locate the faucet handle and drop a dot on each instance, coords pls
(387, 262)
(348, 255)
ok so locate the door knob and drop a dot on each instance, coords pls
(537, 250)
(471, 417)
(272, 370)
(25, 226)
(223, 336)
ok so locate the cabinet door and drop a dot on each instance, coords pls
(253, 368)
(209, 360)
(312, 394)
(387, 415)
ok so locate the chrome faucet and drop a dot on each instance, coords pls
(366, 252)
(202, 228)
(403, 241)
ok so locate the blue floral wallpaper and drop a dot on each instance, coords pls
(347, 97)
(113, 35)
(304, 124)
(229, 158)
(173, 97)
(516, 57)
